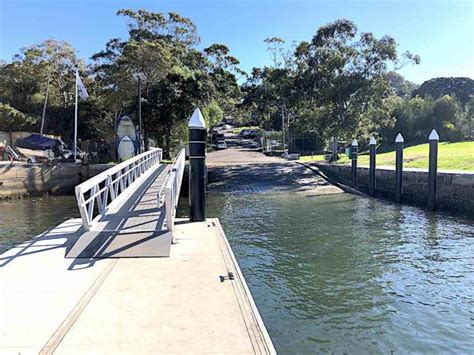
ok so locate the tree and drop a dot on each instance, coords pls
(213, 114)
(178, 76)
(25, 80)
(346, 74)
(399, 85)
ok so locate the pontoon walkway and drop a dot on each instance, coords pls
(102, 298)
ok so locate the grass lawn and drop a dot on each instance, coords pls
(451, 156)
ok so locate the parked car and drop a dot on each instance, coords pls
(248, 133)
(221, 145)
(216, 137)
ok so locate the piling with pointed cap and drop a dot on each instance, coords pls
(197, 167)
(399, 167)
(373, 152)
(354, 151)
(433, 169)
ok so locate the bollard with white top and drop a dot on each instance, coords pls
(354, 151)
(433, 169)
(399, 167)
(197, 167)
(373, 153)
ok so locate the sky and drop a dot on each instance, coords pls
(441, 32)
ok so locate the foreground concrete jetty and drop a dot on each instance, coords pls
(112, 282)
(184, 303)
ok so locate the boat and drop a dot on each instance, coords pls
(37, 146)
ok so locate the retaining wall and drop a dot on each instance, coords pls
(23, 179)
(455, 190)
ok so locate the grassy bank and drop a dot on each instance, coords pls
(452, 156)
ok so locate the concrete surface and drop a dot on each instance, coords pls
(242, 168)
(132, 306)
(22, 179)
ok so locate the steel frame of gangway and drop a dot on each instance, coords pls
(172, 188)
(96, 196)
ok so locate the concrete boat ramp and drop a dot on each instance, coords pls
(59, 295)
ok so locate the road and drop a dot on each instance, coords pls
(242, 168)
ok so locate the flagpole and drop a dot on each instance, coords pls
(75, 122)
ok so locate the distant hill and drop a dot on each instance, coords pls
(462, 88)
(400, 86)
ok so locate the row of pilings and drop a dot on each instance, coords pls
(399, 143)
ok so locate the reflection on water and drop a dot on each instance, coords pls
(23, 219)
(347, 274)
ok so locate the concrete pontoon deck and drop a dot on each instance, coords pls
(176, 304)
(114, 283)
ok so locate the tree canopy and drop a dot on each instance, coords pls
(341, 82)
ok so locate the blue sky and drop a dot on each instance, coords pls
(441, 32)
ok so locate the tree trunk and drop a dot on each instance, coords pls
(146, 140)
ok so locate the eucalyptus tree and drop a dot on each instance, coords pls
(335, 84)
(41, 69)
(344, 73)
(179, 77)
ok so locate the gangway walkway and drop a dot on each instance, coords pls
(134, 223)
(105, 302)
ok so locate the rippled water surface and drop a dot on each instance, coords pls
(330, 273)
(348, 274)
(23, 219)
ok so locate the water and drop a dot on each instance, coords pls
(346, 274)
(339, 274)
(23, 219)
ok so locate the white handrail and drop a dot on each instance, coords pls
(101, 190)
(173, 187)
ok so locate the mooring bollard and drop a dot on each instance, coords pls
(399, 167)
(197, 167)
(433, 169)
(354, 150)
(373, 152)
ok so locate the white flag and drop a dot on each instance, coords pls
(82, 90)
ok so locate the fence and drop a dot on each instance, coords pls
(96, 195)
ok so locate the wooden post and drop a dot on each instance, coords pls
(354, 149)
(399, 168)
(373, 152)
(433, 169)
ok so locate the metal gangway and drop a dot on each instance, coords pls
(129, 209)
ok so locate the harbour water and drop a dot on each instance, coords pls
(336, 273)
(22, 219)
(345, 274)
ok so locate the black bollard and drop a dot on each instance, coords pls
(399, 168)
(373, 152)
(354, 150)
(197, 167)
(433, 169)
